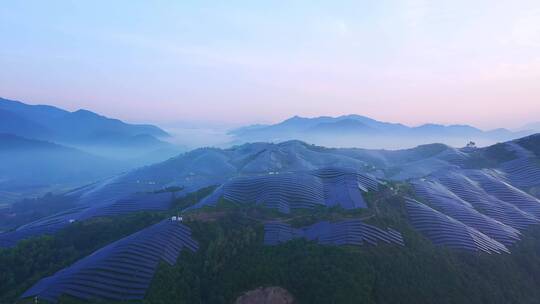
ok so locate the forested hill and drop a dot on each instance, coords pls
(432, 224)
(232, 259)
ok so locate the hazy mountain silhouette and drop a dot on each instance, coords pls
(32, 166)
(46, 148)
(139, 144)
(361, 131)
(532, 126)
(82, 126)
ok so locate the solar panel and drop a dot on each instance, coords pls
(524, 171)
(447, 231)
(468, 189)
(50, 225)
(445, 201)
(121, 270)
(348, 232)
(302, 190)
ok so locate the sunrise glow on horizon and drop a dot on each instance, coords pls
(411, 62)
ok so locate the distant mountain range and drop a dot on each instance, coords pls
(39, 161)
(532, 126)
(361, 131)
(85, 130)
(50, 123)
(82, 146)
(43, 147)
(31, 167)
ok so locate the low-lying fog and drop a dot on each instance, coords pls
(188, 138)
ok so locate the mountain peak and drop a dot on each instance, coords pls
(355, 130)
(85, 112)
(81, 126)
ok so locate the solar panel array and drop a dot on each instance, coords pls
(445, 230)
(454, 156)
(348, 232)
(120, 271)
(50, 225)
(421, 166)
(448, 203)
(47, 225)
(482, 200)
(286, 191)
(469, 190)
(524, 171)
(504, 191)
(132, 203)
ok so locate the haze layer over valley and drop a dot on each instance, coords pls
(94, 194)
(45, 148)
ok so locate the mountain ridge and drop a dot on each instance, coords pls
(359, 131)
(66, 149)
(36, 166)
(65, 126)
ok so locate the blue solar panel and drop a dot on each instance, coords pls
(463, 185)
(482, 200)
(49, 225)
(349, 232)
(447, 231)
(524, 171)
(496, 186)
(445, 201)
(122, 270)
(286, 191)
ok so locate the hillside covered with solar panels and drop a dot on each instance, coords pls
(206, 226)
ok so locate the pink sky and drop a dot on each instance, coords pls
(402, 61)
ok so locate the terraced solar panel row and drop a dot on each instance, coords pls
(453, 156)
(338, 175)
(120, 271)
(341, 186)
(132, 203)
(281, 192)
(504, 191)
(447, 231)
(470, 191)
(442, 199)
(482, 200)
(50, 225)
(349, 232)
(327, 187)
(524, 171)
(110, 190)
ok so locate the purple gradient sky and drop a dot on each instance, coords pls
(244, 62)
